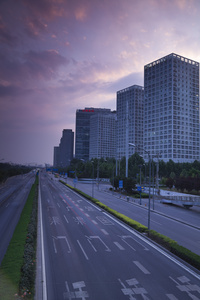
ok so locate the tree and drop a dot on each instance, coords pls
(134, 163)
(169, 182)
(129, 184)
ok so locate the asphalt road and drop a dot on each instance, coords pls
(85, 253)
(13, 196)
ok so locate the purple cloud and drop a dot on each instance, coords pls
(5, 36)
(44, 64)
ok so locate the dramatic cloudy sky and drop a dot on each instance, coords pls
(60, 55)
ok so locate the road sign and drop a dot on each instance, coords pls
(140, 188)
(121, 184)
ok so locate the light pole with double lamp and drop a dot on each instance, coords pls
(133, 145)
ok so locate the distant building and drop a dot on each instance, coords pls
(102, 135)
(171, 108)
(64, 153)
(82, 141)
(130, 111)
(56, 157)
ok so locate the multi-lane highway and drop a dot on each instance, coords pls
(13, 196)
(86, 254)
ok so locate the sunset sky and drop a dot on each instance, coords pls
(57, 56)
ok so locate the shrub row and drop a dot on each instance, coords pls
(169, 244)
(27, 281)
(18, 265)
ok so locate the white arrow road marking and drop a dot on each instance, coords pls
(55, 238)
(184, 285)
(127, 291)
(80, 294)
(132, 241)
(134, 288)
(95, 237)
(124, 238)
(55, 220)
(68, 294)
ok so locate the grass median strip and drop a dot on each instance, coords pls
(169, 244)
(17, 271)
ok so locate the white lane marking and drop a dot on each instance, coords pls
(54, 245)
(119, 246)
(58, 204)
(193, 273)
(94, 222)
(82, 250)
(7, 204)
(104, 231)
(156, 222)
(44, 286)
(87, 215)
(141, 267)
(66, 219)
(171, 297)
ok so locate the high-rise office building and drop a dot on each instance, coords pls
(171, 108)
(64, 153)
(103, 135)
(129, 120)
(56, 156)
(82, 141)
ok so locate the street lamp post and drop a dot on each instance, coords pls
(133, 145)
(140, 166)
(92, 179)
(98, 174)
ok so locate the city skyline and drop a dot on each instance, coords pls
(58, 56)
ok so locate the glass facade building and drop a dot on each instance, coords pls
(82, 141)
(103, 135)
(130, 112)
(171, 108)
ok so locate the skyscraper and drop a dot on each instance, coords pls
(83, 131)
(171, 108)
(64, 153)
(103, 135)
(129, 120)
(56, 156)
